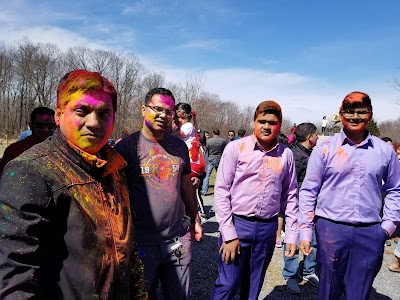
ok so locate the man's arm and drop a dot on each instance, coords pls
(223, 210)
(391, 209)
(189, 199)
(24, 225)
(308, 197)
(290, 205)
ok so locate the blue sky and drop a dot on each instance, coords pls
(306, 55)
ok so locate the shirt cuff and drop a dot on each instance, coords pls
(229, 233)
(305, 235)
(389, 226)
(291, 238)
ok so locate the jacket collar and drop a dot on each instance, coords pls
(108, 161)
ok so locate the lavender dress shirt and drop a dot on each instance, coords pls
(253, 182)
(344, 182)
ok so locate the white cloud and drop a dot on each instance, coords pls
(63, 38)
(302, 98)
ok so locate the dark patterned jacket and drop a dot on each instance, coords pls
(301, 155)
(65, 226)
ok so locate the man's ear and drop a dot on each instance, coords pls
(143, 109)
(57, 116)
(370, 116)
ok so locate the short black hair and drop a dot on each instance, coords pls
(41, 110)
(157, 91)
(216, 131)
(303, 130)
(387, 139)
(241, 133)
(282, 139)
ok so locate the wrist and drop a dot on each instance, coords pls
(195, 220)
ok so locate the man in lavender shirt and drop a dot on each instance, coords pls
(341, 193)
(256, 178)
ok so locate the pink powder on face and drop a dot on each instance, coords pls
(167, 100)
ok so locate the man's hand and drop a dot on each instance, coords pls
(195, 181)
(196, 231)
(290, 250)
(229, 250)
(305, 247)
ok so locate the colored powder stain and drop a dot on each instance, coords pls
(8, 218)
(340, 151)
(167, 100)
(12, 174)
(324, 151)
(242, 147)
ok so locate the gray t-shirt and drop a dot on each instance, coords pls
(215, 147)
(154, 179)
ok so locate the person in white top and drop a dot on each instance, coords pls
(187, 131)
(324, 124)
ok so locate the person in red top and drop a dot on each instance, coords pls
(42, 124)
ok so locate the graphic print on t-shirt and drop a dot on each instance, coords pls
(159, 170)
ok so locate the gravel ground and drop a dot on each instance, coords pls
(205, 270)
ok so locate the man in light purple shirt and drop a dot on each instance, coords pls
(341, 193)
(256, 178)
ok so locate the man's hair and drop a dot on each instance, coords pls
(303, 130)
(85, 82)
(241, 133)
(269, 107)
(387, 139)
(157, 91)
(232, 131)
(282, 139)
(216, 131)
(355, 100)
(41, 110)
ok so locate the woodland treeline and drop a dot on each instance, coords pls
(29, 75)
(30, 72)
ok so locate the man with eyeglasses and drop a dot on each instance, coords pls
(162, 197)
(341, 194)
(42, 125)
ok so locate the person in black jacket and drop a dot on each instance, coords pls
(66, 230)
(306, 138)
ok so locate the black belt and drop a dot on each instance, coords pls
(255, 219)
(348, 224)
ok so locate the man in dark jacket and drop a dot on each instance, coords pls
(42, 125)
(306, 138)
(65, 219)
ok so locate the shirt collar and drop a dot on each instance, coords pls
(367, 142)
(258, 146)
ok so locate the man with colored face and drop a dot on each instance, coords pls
(256, 179)
(163, 198)
(67, 229)
(306, 139)
(42, 125)
(341, 194)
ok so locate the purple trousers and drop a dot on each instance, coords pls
(349, 257)
(257, 244)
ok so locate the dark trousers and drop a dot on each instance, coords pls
(257, 244)
(348, 257)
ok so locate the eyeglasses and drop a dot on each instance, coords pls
(348, 113)
(41, 125)
(160, 110)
